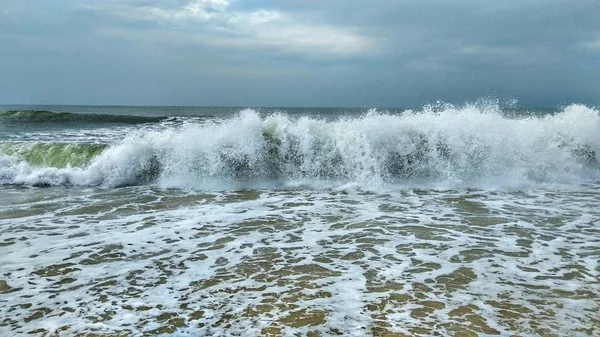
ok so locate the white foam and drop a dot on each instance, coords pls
(261, 248)
(473, 146)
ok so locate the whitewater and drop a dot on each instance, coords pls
(452, 146)
(471, 220)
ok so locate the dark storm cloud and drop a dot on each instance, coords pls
(365, 53)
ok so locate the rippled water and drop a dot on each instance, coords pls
(442, 221)
(143, 260)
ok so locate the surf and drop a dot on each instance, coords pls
(456, 146)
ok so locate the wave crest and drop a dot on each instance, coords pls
(455, 145)
(42, 116)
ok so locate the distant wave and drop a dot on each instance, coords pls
(457, 146)
(42, 116)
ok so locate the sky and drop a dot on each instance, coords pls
(363, 53)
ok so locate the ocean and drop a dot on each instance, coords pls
(443, 220)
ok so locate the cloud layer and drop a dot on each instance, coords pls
(308, 53)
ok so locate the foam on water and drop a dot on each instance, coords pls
(443, 221)
(452, 147)
(146, 261)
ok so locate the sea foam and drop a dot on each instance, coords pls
(446, 146)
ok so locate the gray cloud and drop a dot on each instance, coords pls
(318, 53)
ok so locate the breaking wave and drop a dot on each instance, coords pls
(452, 146)
(42, 116)
(57, 155)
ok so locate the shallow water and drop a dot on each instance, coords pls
(443, 221)
(149, 261)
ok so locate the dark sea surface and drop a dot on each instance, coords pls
(443, 220)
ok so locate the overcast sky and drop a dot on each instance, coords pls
(367, 53)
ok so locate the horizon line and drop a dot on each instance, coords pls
(270, 106)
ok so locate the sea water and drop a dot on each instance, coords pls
(475, 220)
